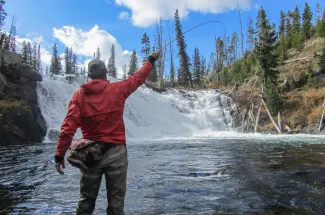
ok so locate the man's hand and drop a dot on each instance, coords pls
(156, 55)
(59, 161)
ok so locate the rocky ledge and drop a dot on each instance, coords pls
(21, 120)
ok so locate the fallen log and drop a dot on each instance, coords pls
(322, 118)
(271, 118)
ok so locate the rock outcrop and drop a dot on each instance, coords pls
(21, 120)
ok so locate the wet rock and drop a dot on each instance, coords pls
(19, 106)
(53, 135)
(24, 120)
(10, 57)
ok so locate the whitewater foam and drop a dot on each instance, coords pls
(148, 114)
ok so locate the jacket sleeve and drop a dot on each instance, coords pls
(69, 126)
(131, 84)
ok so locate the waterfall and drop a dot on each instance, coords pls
(148, 114)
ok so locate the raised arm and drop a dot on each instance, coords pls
(131, 84)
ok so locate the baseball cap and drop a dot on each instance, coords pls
(96, 69)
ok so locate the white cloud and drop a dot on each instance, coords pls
(124, 15)
(257, 6)
(35, 37)
(85, 43)
(146, 13)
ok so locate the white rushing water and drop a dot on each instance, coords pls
(148, 114)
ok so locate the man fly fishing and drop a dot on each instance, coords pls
(97, 108)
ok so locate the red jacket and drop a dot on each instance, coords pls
(97, 108)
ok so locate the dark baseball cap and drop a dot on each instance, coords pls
(96, 69)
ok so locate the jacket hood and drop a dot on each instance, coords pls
(95, 86)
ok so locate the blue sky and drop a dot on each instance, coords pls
(43, 21)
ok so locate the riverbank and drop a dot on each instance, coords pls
(301, 87)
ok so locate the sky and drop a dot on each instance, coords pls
(85, 25)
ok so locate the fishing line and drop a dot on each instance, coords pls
(204, 23)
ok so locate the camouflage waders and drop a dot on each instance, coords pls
(114, 166)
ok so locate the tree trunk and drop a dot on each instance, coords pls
(279, 121)
(243, 121)
(241, 30)
(257, 118)
(271, 118)
(322, 118)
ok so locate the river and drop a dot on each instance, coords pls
(244, 174)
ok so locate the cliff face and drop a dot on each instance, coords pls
(21, 120)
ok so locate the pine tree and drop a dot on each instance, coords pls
(153, 76)
(179, 76)
(273, 101)
(111, 64)
(55, 67)
(227, 51)
(265, 48)
(224, 76)
(39, 60)
(67, 61)
(161, 60)
(12, 35)
(145, 47)
(288, 31)
(203, 66)
(306, 25)
(318, 12)
(70, 59)
(320, 28)
(282, 48)
(3, 13)
(184, 62)
(296, 20)
(172, 66)
(74, 65)
(251, 33)
(98, 54)
(268, 60)
(288, 27)
(197, 67)
(47, 70)
(212, 64)
(220, 54)
(321, 60)
(124, 69)
(24, 53)
(133, 67)
(29, 54)
(34, 57)
(172, 74)
(233, 47)
(282, 27)
(4, 41)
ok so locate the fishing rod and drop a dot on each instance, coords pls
(204, 23)
(191, 29)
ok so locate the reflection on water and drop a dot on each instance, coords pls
(198, 176)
